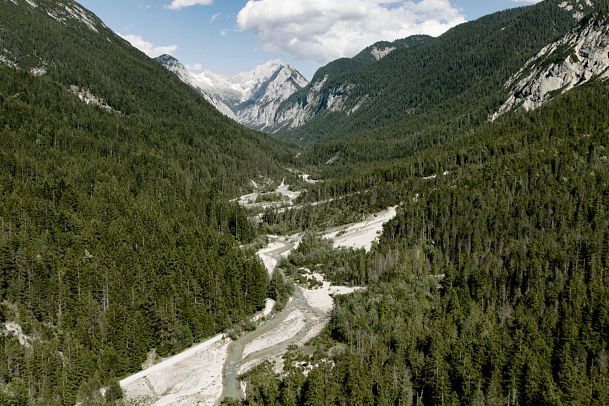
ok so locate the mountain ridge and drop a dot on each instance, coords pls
(418, 78)
(250, 98)
(304, 105)
(425, 95)
(173, 65)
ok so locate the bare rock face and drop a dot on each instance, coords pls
(577, 7)
(339, 98)
(578, 57)
(299, 112)
(250, 98)
(380, 53)
(259, 110)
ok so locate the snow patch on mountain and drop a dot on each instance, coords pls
(380, 53)
(580, 56)
(239, 88)
(243, 86)
(220, 85)
(249, 82)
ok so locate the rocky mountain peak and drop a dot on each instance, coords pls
(251, 98)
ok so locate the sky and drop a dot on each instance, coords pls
(232, 36)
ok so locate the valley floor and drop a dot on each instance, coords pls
(205, 373)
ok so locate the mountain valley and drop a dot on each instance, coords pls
(426, 222)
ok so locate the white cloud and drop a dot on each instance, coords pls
(180, 4)
(326, 30)
(148, 48)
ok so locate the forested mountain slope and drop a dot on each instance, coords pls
(490, 286)
(580, 56)
(116, 235)
(426, 94)
(63, 41)
(332, 88)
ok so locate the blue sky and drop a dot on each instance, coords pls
(231, 36)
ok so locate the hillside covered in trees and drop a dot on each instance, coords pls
(490, 286)
(116, 235)
(426, 94)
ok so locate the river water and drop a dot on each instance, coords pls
(296, 313)
(209, 371)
